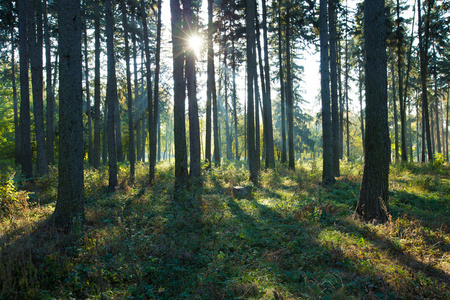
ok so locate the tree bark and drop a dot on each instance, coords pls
(373, 198)
(179, 95)
(69, 210)
(131, 150)
(15, 104)
(35, 42)
(209, 83)
(289, 96)
(111, 97)
(333, 81)
(282, 87)
(96, 150)
(88, 94)
(50, 95)
(402, 101)
(27, 167)
(328, 170)
(194, 127)
(394, 104)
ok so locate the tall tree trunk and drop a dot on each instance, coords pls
(436, 106)
(341, 103)
(361, 112)
(118, 130)
(15, 104)
(233, 59)
(136, 83)
(88, 94)
(400, 86)
(251, 71)
(154, 126)
(35, 42)
(328, 170)
(446, 124)
(194, 127)
(49, 89)
(394, 103)
(96, 150)
(111, 97)
(227, 119)
(282, 87)
(333, 82)
(210, 70)
(270, 153)
(69, 210)
(374, 194)
(423, 50)
(27, 166)
(215, 120)
(105, 133)
(260, 103)
(289, 95)
(179, 95)
(131, 150)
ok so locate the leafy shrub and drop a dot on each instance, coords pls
(10, 198)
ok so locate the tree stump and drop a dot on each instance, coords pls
(241, 192)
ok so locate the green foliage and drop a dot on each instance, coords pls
(11, 199)
(291, 237)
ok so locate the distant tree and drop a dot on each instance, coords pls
(111, 96)
(373, 198)
(70, 200)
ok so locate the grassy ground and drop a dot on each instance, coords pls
(290, 239)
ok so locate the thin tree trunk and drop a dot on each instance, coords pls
(97, 129)
(50, 94)
(289, 96)
(88, 94)
(233, 59)
(27, 167)
(394, 103)
(282, 87)
(35, 42)
(328, 170)
(251, 70)
(341, 103)
(131, 150)
(15, 104)
(179, 90)
(210, 70)
(270, 153)
(111, 97)
(227, 119)
(105, 133)
(436, 107)
(361, 112)
(333, 83)
(400, 87)
(194, 127)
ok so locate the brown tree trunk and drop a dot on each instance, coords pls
(333, 83)
(97, 137)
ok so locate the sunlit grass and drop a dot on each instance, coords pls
(290, 238)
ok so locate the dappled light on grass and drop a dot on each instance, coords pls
(290, 237)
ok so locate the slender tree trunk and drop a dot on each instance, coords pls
(210, 70)
(251, 70)
(394, 103)
(49, 89)
(423, 50)
(194, 127)
(374, 194)
(446, 124)
(328, 170)
(97, 136)
(233, 59)
(227, 119)
(436, 107)
(136, 84)
(131, 150)
(361, 112)
(15, 104)
(105, 133)
(111, 97)
(270, 153)
(289, 96)
(179, 92)
(282, 87)
(341, 103)
(35, 44)
(27, 166)
(69, 210)
(88, 94)
(333, 82)
(215, 120)
(403, 151)
(260, 103)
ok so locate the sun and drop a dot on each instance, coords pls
(195, 43)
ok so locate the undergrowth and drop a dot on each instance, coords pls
(290, 238)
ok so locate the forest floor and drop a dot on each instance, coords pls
(290, 239)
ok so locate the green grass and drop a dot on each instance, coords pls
(291, 239)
